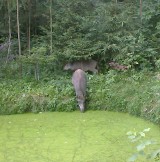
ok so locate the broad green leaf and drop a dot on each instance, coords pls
(146, 130)
(133, 158)
(149, 142)
(142, 134)
(155, 154)
(136, 139)
(141, 147)
(131, 137)
(129, 133)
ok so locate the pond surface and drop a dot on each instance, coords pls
(93, 136)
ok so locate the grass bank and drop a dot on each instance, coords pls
(132, 92)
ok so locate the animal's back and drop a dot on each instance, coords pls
(79, 81)
(89, 65)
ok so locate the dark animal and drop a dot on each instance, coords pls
(89, 65)
(79, 82)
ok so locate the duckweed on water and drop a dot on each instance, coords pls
(94, 136)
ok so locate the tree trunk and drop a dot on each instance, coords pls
(51, 38)
(18, 29)
(9, 31)
(35, 17)
(29, 27)
(19, 40)
(141, 9)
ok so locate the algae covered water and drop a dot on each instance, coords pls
(93, 136)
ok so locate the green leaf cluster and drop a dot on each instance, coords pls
(138, 137)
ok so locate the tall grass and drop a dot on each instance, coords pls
(135, 93)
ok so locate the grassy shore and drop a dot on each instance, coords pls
(137, 93)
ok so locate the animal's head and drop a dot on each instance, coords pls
(67, 66)
(81, 102)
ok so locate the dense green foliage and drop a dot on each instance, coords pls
(55, 32)
(135, 93)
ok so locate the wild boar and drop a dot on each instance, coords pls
(89, 65)
(79, 81)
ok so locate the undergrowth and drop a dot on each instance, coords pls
(132, 92)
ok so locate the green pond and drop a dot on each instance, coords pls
(93, 136)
